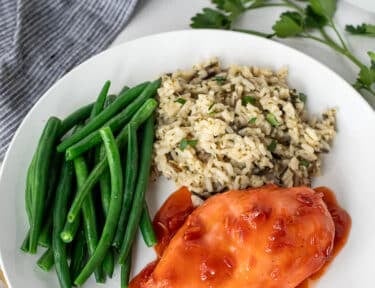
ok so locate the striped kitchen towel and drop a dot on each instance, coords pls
(41, 40)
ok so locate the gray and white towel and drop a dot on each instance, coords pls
(41, 40)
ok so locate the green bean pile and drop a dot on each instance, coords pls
(86, 184)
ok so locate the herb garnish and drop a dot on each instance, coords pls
(272, 146)
(248, 99)
(209, 109)
(272, 120)
(304, 162)
(308, 19)
(182, 101)
(184, 143)
(252, 120)
(220, 80)
(302, 97)
(363, 29)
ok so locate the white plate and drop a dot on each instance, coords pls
(348, 169)
(368, 5)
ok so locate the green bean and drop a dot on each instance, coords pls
(29, 203)
(70, 229)
(138, 119)
(109, 229)
(142, 115)
(52, 182)
(25, 243)
(109, 263)
(115, 123)
(61, 202)
(121, 101)
(100, 101)
(147, 229)
(45, 235)
(78, 255)
(105, 191)
(105, 180)
(47, 260)
(131, 170)
(28, 190)
(139, 195)
(88, 214)
(44, 239)
(76, 117)
(125, 272)
(42, 167)
(110, 99)
(91, 180)
(125, 88)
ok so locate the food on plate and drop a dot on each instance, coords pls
(260, 237)
(171, 216)
(217, 129)
(231, 128)
(119, 113)
(59, 197)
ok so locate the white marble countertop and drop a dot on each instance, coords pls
(156, 16)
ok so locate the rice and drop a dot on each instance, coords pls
(235, 128)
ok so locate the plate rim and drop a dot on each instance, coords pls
(155, 36)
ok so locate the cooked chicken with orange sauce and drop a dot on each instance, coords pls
(268, 237)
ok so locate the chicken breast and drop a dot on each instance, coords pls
(259, 238)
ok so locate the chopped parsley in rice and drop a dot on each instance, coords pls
(237, 127)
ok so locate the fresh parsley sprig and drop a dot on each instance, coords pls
(363, 29)
(309, 19)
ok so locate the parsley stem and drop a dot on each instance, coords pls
(256, 6)
(253, 32)
(354, 59)
(324, 41)
(328, 38)
(284, 3)
(329, 42)
(310, 36)
(333, 26)
(342, 50)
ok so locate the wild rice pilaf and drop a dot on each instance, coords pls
(231, 128)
